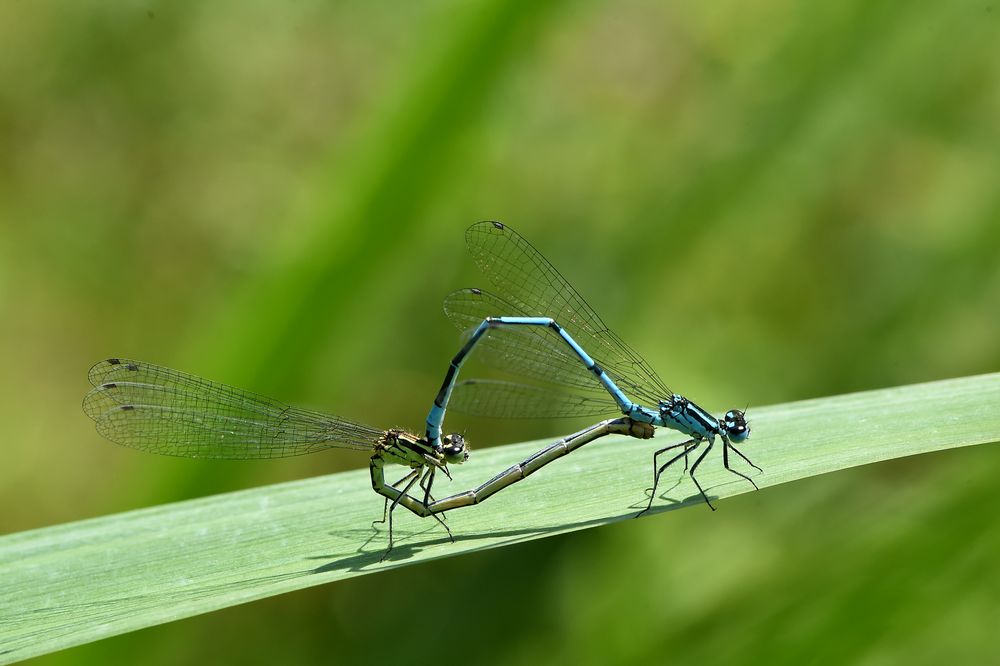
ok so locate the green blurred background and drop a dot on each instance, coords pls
(274, 195)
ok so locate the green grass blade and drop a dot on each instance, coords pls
(74, 583)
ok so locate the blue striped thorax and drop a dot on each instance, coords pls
(681, 414)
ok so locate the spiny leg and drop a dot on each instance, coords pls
(725, 462)
(748, 461)
(385, 505)
(428, 498)
(694, 468)
(443, 524)
(426, 486)
(428, 479)
(416, 474)
(688, 446)
(426, 483)
(657, 454)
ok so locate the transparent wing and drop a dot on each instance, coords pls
(156, 409)
(526, 279)
(534, 351)
(531, 351)
(494, 399)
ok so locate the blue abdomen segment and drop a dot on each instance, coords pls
(436, 416)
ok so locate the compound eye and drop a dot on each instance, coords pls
(736, 426)
(454, 449)
(738, 432)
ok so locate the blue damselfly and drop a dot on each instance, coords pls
(533, 327)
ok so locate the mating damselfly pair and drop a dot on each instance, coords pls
(537, 326)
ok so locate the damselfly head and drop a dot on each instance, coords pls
(737, 428)
(453, 449)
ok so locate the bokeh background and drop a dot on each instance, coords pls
(770, 200)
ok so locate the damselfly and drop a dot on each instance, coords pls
(156, 409)
(532, 328)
